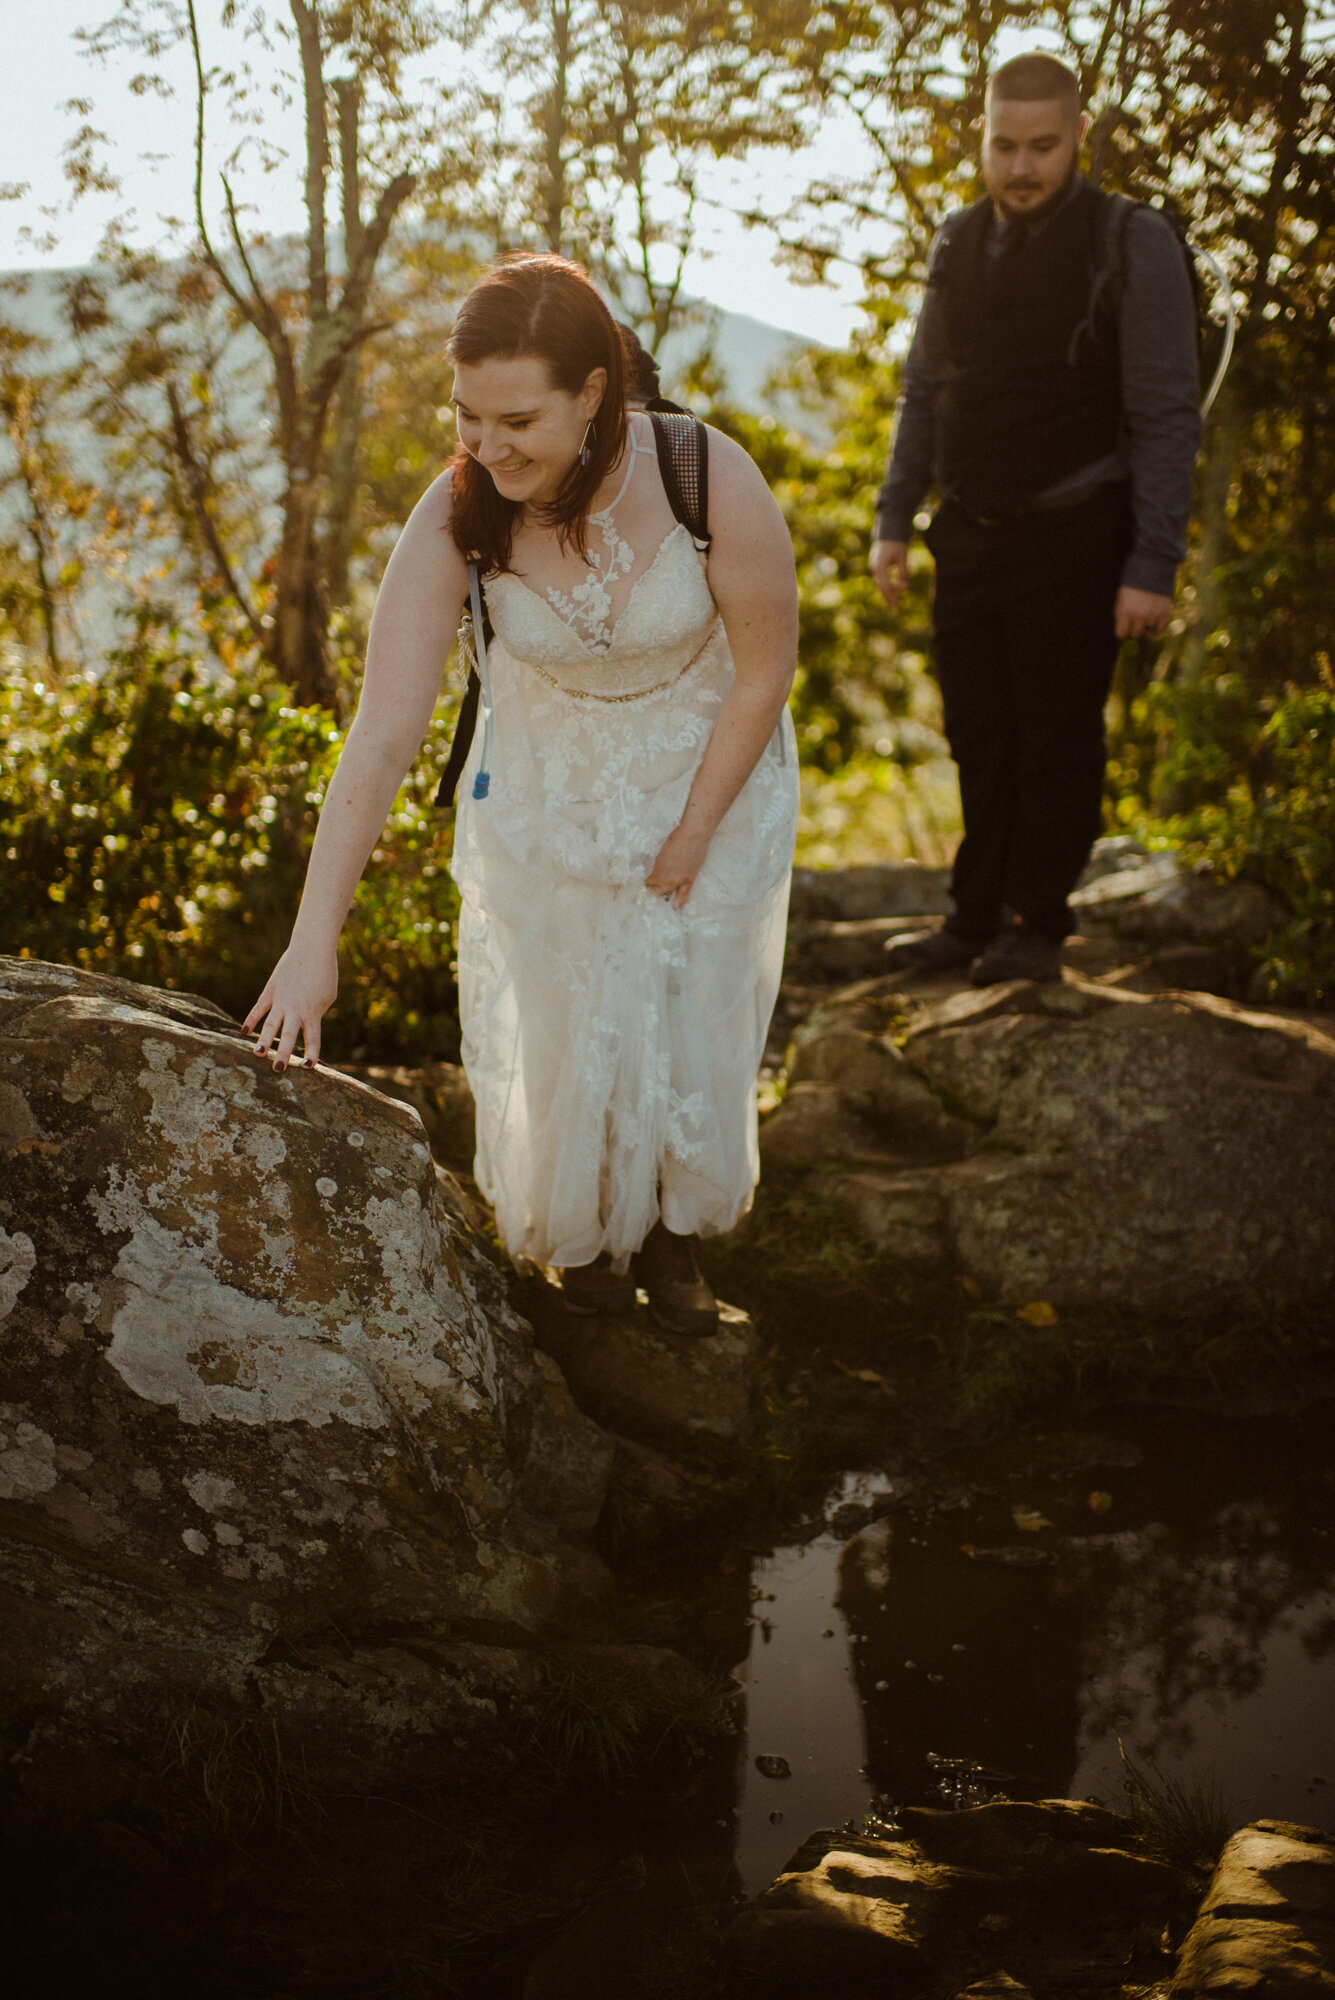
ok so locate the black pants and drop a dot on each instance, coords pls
(1025, 649)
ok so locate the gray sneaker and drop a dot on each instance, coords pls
(1020, 953)
(931, 951)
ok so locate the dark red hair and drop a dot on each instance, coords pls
(545, 307)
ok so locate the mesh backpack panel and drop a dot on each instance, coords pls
(683, 461)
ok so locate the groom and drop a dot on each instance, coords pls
(1050, 396)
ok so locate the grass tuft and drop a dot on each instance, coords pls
(1186, 1825)
(236, 1766)
(609, 1717)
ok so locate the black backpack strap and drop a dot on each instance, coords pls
(683, 461)
(1110, 271)
(1117, 220)
(464, 730)
(1109, 265)
(939, 250)
(465, 727)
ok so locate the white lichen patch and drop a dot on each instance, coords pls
(87, 1298)
(18, 1261)
(325, 1187)
(209, 1490)
(183, 1337)
(266, 1146)
(279, 1251)
(27, 1458)
(196, 1541)
(421, 1297)
(193, 1107)
(227, 1535)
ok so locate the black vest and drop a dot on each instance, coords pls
(1031, 387)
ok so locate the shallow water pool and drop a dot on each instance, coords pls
(1167, 1580)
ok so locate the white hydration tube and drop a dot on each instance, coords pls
(1230, 324)
(482, 782)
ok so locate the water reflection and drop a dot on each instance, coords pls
(802, 1704)
(1198, 1626)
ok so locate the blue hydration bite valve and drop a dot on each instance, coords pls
(481, 784)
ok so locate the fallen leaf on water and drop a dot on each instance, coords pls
(1037, 1313)
(862, 1375)
(1009, 1558)
(1029, 1519)
(1100, 1502)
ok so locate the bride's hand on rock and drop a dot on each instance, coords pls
(302, 986)
(680, 859)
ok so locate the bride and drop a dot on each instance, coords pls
(624, 875)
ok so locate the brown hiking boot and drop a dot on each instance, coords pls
(940, 951)
(679, 1298)
(596, 1288)
(1019, 953)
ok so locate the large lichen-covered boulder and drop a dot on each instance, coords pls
(257, 1374)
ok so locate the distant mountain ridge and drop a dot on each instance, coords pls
(748, 352)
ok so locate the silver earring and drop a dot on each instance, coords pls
(590, 439)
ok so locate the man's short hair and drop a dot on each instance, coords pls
(1035, 78)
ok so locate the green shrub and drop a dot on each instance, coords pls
(1253, 787)
(155, 823)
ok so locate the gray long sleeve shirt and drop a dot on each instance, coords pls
(1160, 415)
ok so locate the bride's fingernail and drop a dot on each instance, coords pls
(278, 1068)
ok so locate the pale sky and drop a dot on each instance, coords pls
(733, 268)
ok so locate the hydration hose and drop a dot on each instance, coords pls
(482, 782)
(1230, 325)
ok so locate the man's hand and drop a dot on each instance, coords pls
(1142, 614)
(890, 570)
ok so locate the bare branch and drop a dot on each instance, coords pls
(360, 272)
(348, 91)
(248, 307)
(197, 487)
(264, 318)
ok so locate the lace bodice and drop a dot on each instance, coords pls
(572, 638)
(667, 622)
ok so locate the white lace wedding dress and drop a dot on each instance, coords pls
(610, 1039)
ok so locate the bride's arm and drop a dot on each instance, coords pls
(753, 583)
(416, 614)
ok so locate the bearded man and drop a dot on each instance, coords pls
(1050, 395)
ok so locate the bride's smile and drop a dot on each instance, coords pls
(520, 426)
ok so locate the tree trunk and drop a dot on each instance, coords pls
(21, 428)
(299, 611)
(555, 131)
(342, 473)
(340, 513)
